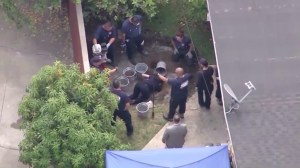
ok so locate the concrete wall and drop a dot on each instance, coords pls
(78, 36)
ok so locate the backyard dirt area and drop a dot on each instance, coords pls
(158, 44)
(146, 128)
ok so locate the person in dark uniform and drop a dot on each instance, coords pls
(132, 36)
(123, 105)
(205, 84)
(143, 89)
(218, 90)
(107, 34)
(183, 48)
(179, 92)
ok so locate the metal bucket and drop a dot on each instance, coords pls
(129, 73)
(142, 109)
(141, 68)
(124, 81)
(161, 68)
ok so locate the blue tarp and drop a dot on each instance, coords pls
(204, 157)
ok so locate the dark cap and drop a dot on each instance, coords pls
(203, 62)
(136, 19)
(116, 84)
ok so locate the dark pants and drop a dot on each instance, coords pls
(174, 103)
(143, 89)
(205, 102)
(110, 54)
(218, 91)
(182, 55)
(131, 43)
(126, 117)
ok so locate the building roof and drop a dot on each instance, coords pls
(259, 41)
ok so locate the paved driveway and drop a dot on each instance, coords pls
(20, 58)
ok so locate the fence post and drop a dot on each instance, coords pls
(80, 52)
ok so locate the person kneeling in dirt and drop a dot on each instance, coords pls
(107, 34)
(183, 48)
(151, 84)
(98, 63)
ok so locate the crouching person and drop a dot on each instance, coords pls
(183, 48)
(143, 89)
(123, 105)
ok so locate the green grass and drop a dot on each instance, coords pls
(171, 17)
(144, 129)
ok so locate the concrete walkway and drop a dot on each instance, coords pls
(204, 127)
(21, 57)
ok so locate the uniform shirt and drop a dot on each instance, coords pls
(130, 30)
(174, 135)
(154, 83)
(123, 99)
(104, 36)
(205, 78)
(184, 45)
(179, 87)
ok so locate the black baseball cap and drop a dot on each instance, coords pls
(136, 19)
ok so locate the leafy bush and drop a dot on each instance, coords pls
(67, 118)
(119, 9)
(12, 12)
(196, 10)
(114, 9)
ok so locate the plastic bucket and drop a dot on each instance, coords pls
(124, 81)
(129, 73)
(161, 68)
(142, 109)
(141, 68)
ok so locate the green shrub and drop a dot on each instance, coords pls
(67, 118)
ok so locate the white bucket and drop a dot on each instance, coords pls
(142, 109)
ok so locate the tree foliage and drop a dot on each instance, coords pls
(67, 118)
(9, 7)
(195, 10)
(118, 9)
(114, 9)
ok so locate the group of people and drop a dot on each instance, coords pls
(132, 38)
(174, 135)
(141, 93)
(182, 49)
